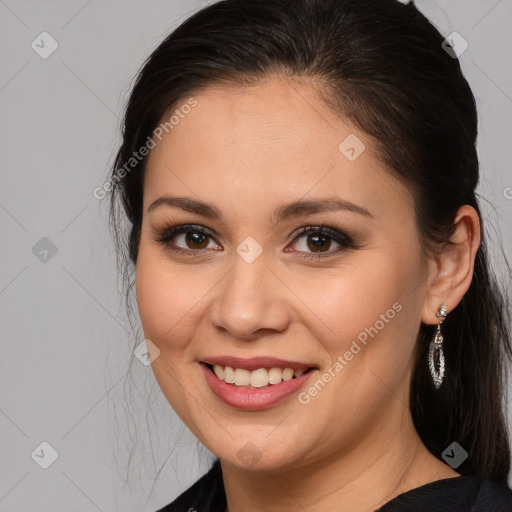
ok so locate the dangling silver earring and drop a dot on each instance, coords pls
(435, 353)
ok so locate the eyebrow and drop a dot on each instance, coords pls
(283, 212)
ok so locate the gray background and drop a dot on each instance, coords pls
(66, 344)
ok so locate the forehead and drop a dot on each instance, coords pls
(272, 141)
(273, 119)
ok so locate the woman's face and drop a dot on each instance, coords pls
(245, 283)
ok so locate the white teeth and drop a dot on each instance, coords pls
(219, 371)
(287, 374)
(229, 374)
(275, 375)
(242, 377)
(258, 378)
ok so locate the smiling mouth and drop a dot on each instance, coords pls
(256, 379)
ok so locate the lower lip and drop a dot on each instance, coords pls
(254, 399)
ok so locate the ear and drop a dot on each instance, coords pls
(451, 267)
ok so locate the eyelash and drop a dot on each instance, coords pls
(175, 229)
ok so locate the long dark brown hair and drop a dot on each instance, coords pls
(381, 65)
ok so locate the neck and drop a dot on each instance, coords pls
(387, 462)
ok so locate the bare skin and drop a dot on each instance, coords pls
(248, 150)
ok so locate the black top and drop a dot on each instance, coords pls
(458, 494)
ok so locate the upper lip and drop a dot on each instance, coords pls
(255, 363)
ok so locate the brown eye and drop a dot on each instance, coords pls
(319, 240)
(196, 240)
(186, 239)
(318, 243)
(311, 242)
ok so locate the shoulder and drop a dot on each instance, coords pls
(459, 494)
(206, 494)
(493, 497)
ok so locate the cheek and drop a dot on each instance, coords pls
(366, 321)
(165, 298)
(366, 317)
(348, 300)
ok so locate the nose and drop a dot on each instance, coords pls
(251, 301)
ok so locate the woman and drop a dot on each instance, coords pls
(310, 270)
